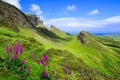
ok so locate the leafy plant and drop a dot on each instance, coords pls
(43, 63)
(15, 63)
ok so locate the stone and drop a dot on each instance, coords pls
(82, 37)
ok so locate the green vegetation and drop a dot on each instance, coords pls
(69, 59)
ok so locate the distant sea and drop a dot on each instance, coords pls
(102, 34)
(99, 34)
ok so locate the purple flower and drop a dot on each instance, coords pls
(21, 49)
(45, 57)
(45, 63)
(7, 49)
(66, 70)
(42, 60)
(34, 55)
(29, 68)
(14, 56)
(18, 47)
(20, 68)
(23, 61)
(14, 47)
(17, 50)
(45, 74)
(11, 49)
(38, 61)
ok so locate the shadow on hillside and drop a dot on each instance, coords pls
(49, 34)
(111, 45)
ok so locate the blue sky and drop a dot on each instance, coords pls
(96, 16)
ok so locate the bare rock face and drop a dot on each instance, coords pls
(82, 37)
(12, 17)
(34, 19)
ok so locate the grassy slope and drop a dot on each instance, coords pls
(59, 32)
(94, 54)
(89, 53)
(107, 57)
(8, 37)
(97, 56)
(116, 37)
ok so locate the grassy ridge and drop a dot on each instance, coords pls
(91, 50)
(89, 53)
(94, 60)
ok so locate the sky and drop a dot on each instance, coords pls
(96, 16)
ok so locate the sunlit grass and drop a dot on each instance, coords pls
(94, 54)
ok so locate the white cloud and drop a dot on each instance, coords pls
(93, 12)
(71, 7)
(36, 9)
(73, 23)
(14, 2)
(115, 19)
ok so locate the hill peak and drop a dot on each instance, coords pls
(82, 37)
(85, 37)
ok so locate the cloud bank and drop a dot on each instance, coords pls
(110, 24)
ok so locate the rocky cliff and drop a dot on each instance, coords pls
(34, 19)
(13, 18)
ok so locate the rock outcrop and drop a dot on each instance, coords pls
(13, 18)
(34, 19)
(82, 37)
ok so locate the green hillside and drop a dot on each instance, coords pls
(69, 59)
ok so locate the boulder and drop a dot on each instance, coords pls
(82, 37)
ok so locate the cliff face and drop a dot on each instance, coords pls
(13, 18)
(34, 19)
